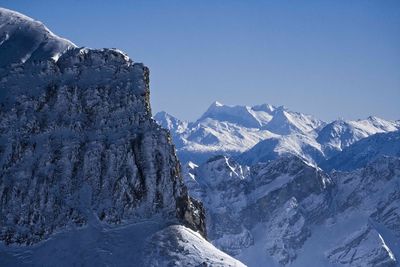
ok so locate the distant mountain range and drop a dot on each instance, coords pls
(281, 188)
(264, 132)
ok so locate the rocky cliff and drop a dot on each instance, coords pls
(77, 141)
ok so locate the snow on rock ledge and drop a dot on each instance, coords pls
(78, 145)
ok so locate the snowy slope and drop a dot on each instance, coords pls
(285, 122)
(339, 134)
(362, 152)
(288, 213)
(300, 145)
(170, 123)
(180, 246)
(23, 39)
(175, 126)
(245, 116)
(150, 243)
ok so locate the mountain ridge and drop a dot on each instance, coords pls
(34, 40)
(288, 213)
(233, 130)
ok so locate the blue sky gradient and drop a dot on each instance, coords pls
(327, 58)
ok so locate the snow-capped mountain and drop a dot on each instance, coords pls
(303, 146)
(287, 212)
(231, 130)
(249, 117)
(365, 150)
(265, 132)
(285, 122)
(23, 39)
(86, 173)
(339, 134)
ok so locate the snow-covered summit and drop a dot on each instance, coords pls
(170, 122)
(23, 39)
(267, 132)
(224, 129)
(245, 116)
(278, 120)
(339, 134)
(286, 122)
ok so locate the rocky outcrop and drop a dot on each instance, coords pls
(287, 212)
(364, 248)
(283, 198)
(288, 230)
(78, 144)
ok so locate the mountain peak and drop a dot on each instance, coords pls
(163, 115)
(240, 115)
(217, 104)
(286, 122)
(264, 107)
(282, 108)
(36, 41)
(373, 118)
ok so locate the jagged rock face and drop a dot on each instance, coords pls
(275, 183)
(376, 184)
(388, 212)
(364, 248)
(287, 212)
(374, 191)
(78, 144)
(283, 197)
(288, 233)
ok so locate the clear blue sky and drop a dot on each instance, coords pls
(327, 58)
